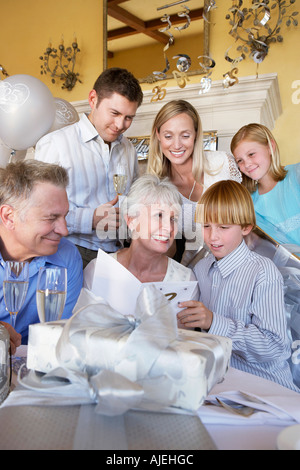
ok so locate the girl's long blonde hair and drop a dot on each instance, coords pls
(158, 164)
(262, 135)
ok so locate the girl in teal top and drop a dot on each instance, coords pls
(275, 189)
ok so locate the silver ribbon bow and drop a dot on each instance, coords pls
(151, 330)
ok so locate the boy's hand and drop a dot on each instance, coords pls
(194, 315)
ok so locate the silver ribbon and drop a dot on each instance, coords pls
(122, 362)
(186, 15)
(151, 330)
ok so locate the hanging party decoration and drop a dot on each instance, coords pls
(206, 64)
(3, 71)
(162, 75)
(184, 61)
(184, 14)
(230, 78)
(209, 5)
(159, 92)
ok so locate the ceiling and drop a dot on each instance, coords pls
(136, 23)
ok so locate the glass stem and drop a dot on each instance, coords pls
(13, 320)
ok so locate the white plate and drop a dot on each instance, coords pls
(289, 438)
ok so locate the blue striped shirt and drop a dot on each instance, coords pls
(244, 290)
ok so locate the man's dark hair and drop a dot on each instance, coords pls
(121, 81)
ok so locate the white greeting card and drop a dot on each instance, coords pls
(114, 283)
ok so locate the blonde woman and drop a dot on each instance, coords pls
(176, 151)
(275, 189)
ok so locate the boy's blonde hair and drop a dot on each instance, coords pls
(228, 203)
(262, 135)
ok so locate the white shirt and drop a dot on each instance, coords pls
(90, 164)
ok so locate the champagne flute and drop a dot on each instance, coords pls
(15, 286)
(51, 293)
(120, 179)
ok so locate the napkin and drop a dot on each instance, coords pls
(272, 403)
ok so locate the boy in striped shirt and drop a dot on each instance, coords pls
(241, 292)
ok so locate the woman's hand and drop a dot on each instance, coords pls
(15, 338)
(194, 315)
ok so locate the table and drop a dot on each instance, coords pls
(78, 427)
(244, 437)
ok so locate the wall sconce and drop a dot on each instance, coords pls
(61, 64)
(255, 27)
(259, 25)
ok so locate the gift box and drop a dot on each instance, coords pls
(148, 361)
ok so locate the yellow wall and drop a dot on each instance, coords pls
(27, 26)
(283, 58)
(142, 61)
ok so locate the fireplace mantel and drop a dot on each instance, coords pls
(253, 99)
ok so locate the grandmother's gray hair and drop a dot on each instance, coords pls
(150, 189)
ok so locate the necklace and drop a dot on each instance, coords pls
(192, 190)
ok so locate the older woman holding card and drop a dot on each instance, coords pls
(151, 211)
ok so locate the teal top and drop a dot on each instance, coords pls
(278, 211)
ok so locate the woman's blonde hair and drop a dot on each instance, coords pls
(158, 164)
(226, 202)
(262, 135)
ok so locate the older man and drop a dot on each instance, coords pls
(33, 207)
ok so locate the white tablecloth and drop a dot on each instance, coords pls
(259, 431)
(57, 427)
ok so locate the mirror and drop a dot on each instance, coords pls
(139, 37)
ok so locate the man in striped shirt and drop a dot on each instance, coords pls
(90, 150)
(241, 292)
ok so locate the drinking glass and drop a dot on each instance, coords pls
(15, 286)
(51, 293)
(120, 178)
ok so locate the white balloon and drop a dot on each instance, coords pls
(65, 114)
(6, 155)
(27, 111)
